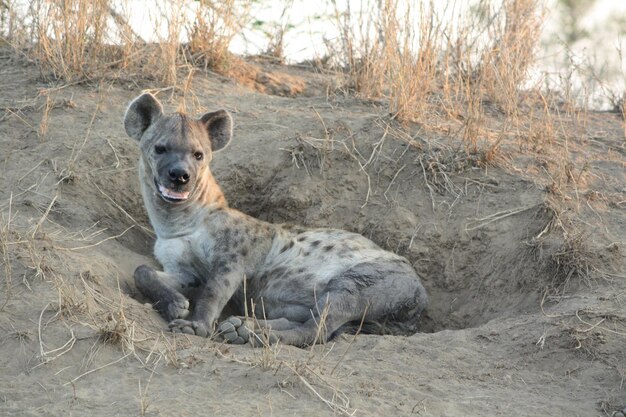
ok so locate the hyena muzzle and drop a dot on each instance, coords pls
(303, 286)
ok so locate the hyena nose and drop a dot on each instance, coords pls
(179, 175)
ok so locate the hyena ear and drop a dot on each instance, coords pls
(219, 125)
(141, 113)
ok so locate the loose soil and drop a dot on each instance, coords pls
(523, 258)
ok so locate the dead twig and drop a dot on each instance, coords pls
(495, 217)
(97, 369)
(100, 242)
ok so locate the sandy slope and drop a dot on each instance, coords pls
(514, 328)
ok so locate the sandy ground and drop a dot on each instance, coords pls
(523, 260)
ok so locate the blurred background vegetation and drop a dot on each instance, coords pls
(569, 46)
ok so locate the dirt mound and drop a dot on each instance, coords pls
(526, 282)
(278, 80)
(465, 291)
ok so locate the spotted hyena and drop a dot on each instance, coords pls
(213, 255)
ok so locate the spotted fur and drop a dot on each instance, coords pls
(293, 276)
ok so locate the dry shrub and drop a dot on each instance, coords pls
(167, 58)
(76, 40)
(70, 35)
(512, 53)
(571, 258)
(423, 61)
(412, 72)
(362, 69)
(541, 129)
(275, 34)
(574, 260)
(210, 34)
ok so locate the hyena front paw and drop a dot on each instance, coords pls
(190, 327)
(176, 308)
(166, 300)
(237, 331)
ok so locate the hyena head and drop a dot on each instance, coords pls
(175, 149)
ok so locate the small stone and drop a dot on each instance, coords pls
(618, 414)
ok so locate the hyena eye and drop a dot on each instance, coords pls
(159, 149)
(198, 155)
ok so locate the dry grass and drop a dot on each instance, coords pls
(506, 63)
(77, 41)
(445, 67)
(212, 30)
(312, 370)
(5, 242)
(413, 70)
(275, 50)
(442, 68)
(70, 37)
(571, 259)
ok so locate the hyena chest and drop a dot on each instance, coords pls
(193, 255)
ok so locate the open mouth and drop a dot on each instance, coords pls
(170, 195)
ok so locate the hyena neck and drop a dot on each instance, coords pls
(174, 220)
(209, 194)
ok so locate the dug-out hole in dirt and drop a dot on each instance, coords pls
(472, 276)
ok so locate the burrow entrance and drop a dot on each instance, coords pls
(475, 269)
(472, 240)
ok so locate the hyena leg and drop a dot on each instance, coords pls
(333, 311)
(312, 331)
(239, 330)
(164, 292)
(209, 303)
(276, 324)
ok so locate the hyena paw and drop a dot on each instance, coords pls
(178, 308)
(190, 327)
(237, 331)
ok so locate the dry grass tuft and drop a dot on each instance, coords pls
(571, 260)
(70, 37)
(212, 30)
(115, 329)
(413, 70)
(506, 63)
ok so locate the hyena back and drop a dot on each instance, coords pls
(303, 285)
